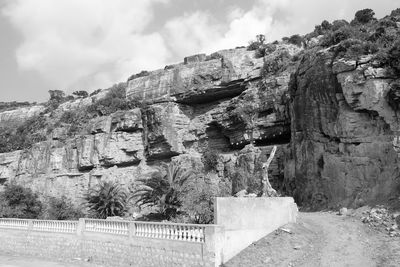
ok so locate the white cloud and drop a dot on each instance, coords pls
(198, 32)
(91, 43)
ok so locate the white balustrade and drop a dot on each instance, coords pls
(183, 232)
(55, 226)
(107, 226)
(20, 224)
(172, 231)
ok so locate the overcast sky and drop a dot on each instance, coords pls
(90, 44)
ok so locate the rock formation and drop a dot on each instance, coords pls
(330, 103)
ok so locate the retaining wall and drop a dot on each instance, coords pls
(246, 220)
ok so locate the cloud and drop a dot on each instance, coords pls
(90, 44)
(77, 44)
(199, 32)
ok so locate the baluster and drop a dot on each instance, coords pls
(178, 232)
(158, 230)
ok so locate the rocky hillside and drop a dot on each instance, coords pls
(328, 99)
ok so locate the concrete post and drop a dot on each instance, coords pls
(81, 227)
(30, 225)
(132, 230)
(214, 244)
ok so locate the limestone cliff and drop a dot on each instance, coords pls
(343, 131)
(330, 101)
(190, 108)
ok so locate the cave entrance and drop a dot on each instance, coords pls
(216, 139)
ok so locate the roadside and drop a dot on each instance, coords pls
(323, 239)
(10, 260)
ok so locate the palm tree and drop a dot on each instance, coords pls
(165, 189)
(107, 199)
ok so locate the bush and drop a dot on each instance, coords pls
(198, 205)
(61, 209)
(4, 106)
(254, 45)
(296, 40)
(19, 202)
(106, 199)
(210, 160)
(273, 65)
(82, 94)
(143, 73)
(393, 96)
(337, 36)
(395, 12)
(337, 24)
(239, 181)
(114, 101)
(394, 56)
(364, 16)
(24, 136)
(165, 189)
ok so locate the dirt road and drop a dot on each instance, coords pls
(322, 239)
(8, 260)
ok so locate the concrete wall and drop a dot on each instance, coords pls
(239, 222)
(246, 220)
(107, 249)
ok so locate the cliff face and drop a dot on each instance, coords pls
(191, 108)
(344, 133)
(333, 115)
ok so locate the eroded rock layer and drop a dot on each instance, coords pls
(343, 131)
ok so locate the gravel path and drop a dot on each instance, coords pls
(322, 239)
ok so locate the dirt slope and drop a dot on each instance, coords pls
(322, 239)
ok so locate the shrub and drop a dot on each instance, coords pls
(393, 96)
(335, 38)
(106, 199)
(143, 73)
(364, 16)
(296, 40)
(239, 181)
(4, 106)
(61, 209)
(165, 190)
(275, 64)
(394, 56)
(23, 136)
(113, 101)
(210, 160)
(337, 24)
(325, 25)
(95, 92)
(198, 205)
(19, 202)
(395, 12)
(254, 45)
(81, 93)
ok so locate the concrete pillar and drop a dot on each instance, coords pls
(214, 244)
(81, 227)
(132, 230)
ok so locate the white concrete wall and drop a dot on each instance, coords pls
(246, 220)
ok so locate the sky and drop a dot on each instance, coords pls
(90, 44)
